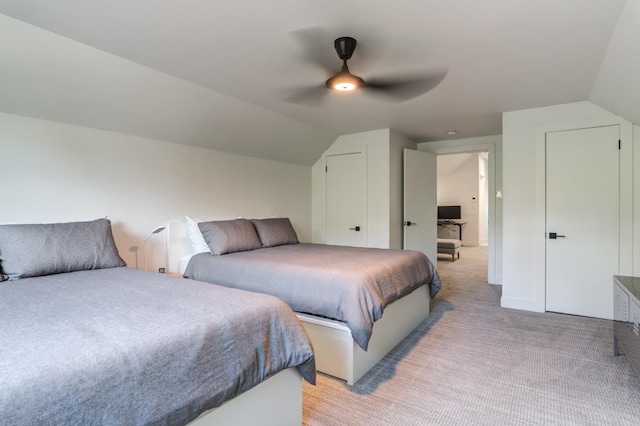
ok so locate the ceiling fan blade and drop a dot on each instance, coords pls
(403, 88)
(311, 96)
(313, 42)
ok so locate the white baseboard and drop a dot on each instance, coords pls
(520, 304)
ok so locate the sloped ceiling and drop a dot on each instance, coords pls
(215, 74)
(51, 77)
(448, 164)
(617, 87)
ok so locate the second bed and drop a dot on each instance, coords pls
(356, 303)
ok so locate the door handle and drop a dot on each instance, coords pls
(355, 228)
(553, 236)
(409, 223)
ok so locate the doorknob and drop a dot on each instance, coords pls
(409, 223)
(355, 228)
(553, 236)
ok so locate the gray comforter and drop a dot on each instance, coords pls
(126, 347)
(349, 284)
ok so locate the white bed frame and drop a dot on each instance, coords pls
(335, 351)
(338, 355)
(277, 401)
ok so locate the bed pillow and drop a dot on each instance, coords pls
(229, 236)
(198, 244)
(275, 232)
(31, 250)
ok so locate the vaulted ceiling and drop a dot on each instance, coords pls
(217, 74)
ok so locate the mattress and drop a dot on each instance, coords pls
(348, 284)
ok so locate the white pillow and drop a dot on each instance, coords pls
(198, 244)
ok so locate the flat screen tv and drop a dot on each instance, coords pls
(449, 213)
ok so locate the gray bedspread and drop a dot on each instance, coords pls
(349, 284)
(121, 346)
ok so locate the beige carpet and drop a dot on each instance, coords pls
(472, 362)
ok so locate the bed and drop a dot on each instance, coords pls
(356, 303)
(86, 340)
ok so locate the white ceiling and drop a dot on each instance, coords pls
(214, 73)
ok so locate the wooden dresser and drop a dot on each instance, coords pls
(626, 317)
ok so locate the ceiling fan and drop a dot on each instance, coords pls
(395, 88)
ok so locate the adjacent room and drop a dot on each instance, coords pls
(463, 192)
(463, 175)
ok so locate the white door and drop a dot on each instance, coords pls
(582, 217)
(420, 203)
(346, 199)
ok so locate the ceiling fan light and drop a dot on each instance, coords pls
(344, 82)
(344, 86)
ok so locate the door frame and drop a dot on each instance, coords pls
(494, 235)
(625, 261)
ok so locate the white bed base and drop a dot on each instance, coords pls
(277, 401)
(338, 355)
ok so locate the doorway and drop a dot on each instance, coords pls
(492, 145)
(463, 187)
(462, 181)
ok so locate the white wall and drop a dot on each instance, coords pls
(520, 189)
(57, 172)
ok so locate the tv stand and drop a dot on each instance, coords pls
(450, 222)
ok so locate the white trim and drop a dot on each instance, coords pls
(519, 303)
(635, 230)
(626, 199)
(475, 145)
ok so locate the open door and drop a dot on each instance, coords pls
(420, 203)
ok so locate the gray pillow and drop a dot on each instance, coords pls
(229, 236)
(275, 232)
(32, 250)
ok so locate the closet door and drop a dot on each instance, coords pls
(346, 199)
(582, 215)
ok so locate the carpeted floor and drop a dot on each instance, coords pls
(472, 362)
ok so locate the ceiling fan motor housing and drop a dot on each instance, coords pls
(345, 46)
